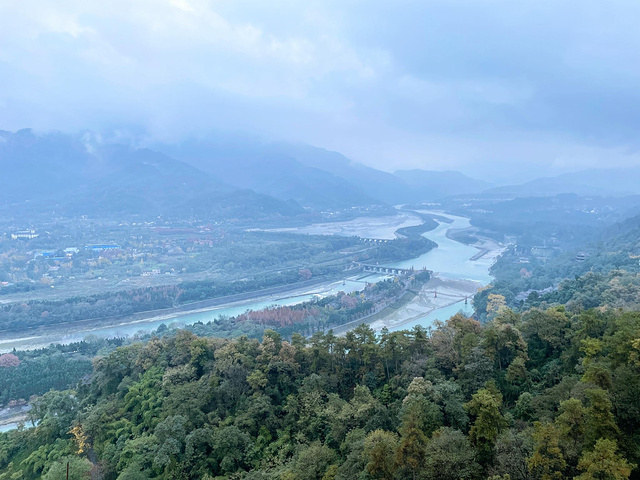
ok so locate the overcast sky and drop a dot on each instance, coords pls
(487, 87)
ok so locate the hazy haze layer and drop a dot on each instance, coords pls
(498, 89)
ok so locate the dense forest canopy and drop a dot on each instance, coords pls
(547, 393)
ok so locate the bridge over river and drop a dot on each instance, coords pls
(391, 270)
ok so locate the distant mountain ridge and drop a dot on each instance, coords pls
(218, 176)
(616, 182)
(77, 175)
(269, 171)
(442, 184)
(314, 176)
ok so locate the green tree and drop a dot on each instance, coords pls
(352, 448)
(546, 333)
(313, 462)
(524, 408)
(379, 449)
(79, 469)
(571, 426)
(603, 463)
(421, 412)
(171, 434)
(410, 455)
(600, 422)
(55, 412)
(512, 451)
(547, 460)
(230, 445)
(449, 456)
(488, 422)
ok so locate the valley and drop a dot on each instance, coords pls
(453, 262)
(317, 278)
(249, 240)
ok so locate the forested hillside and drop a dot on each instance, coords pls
(613, 249)
(548, 393)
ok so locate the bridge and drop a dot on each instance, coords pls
(390, 270)
(374, 240)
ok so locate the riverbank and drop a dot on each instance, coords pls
(474, 237)
(459, 275)
(11, 417)
(454, 282)
(189, 313)
(438, 293)
(382, 228)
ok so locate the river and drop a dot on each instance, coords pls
(11, 417)
(457, 276)
(147, 325)
(451, 259)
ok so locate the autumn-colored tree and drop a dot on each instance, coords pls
(496, 304)
(305, 273)
(9, 360)
(80, 438)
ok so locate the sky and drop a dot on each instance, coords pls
(499, 89)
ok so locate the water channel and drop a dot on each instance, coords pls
(451, 259)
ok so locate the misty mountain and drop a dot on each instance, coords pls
(383, 186)
(220, 177)
(313, 176)
(617, 182)
(77, 175)
(436, 185)
(272, 170)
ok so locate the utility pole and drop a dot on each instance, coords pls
(67, 470)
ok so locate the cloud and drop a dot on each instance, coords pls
(480, 85)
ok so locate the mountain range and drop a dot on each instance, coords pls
(604, 182)
(222, 177)
(77, 175)
(314, 176)
(234, 176)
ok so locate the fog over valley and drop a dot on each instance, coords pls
(246, 240)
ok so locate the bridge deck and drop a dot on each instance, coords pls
(389, 270)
